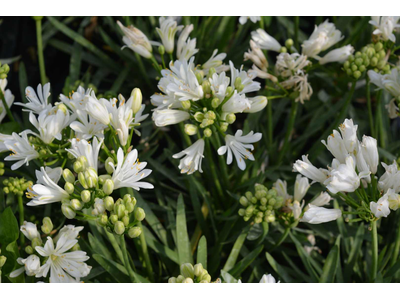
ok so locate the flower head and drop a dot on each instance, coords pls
(136, 40)
(22, 150)
(385, 26)
(37, 102)
(265, 41)
(167, 31)
(193, 155)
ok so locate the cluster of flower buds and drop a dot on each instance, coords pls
(16, 186)
(4, 69)
(190, 274)
(372, 56)
(261, 205)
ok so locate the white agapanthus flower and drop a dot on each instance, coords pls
(239, 145)
(78, 99)
(87, 127)
(394, 199)
(301, 187)
(390, 179)
(247, 80)
(165, 117)
(256, 55)
(268, 279)
(369, 149)
(297, 209)
(322, 199)
(300, 84)
(129, 171)
(3, 138)
(98, 109)
(238, 103)
(46, 190)
(318, 215)
(89, 150)
(257, 104)
(186, 47)
(349, 135)
(69, 231)
(288, 65)
(265, 41)
(335, 144)
(306, 168)
(167, 31)
(254, 19)
(30, 231)
(281, 188)
(8, 96)
(339, 55)
(22, 150)
(219, 84)
(385, 27)
(30, 266)
(216, 62)
(381, 207)
(136, 40)
(64, 265)
(324, 36)
(37, 102)
(192, 157)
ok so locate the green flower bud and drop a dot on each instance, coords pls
(374, 61)
(161, 49)
(186, 104)
(229, 91)
(283, 50)
(211, 72)
(270, 218)
(224, 126)
(199, 117)
(83, 160)
(109, 169)
(238, 82)
(199, 76)
(134, 232)
(378, 46)
(36, 242)
(248, 195)
(370, 52)
(119, 227)
(125, 220)
(188, 280)
(207, 132)
(358, 61)
(108, 187)
(381, 64)
(109, 203)
(172, 280)
(244, 201)
(230, 118)
(69, 187)
(68, 176)
(47, 226)
(82, 180)
(113, 219)
(85, 196)
(29, 250)
(76, 204)
(180, 279)
(120, 210)
(198, 269)
(67, 211)
(346, 65)
(139, 214)
(354, 68)
(187, 270)
(78, 167)
(242, 212)
(357, 74)
(137, 100)
(103, 219)
(190, 129)
(215, 102)
(91, 177)
(289, 43)
(210, 115)
(362, 69)
(3, 260)
(206, 88)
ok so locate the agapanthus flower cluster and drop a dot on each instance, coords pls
(57, 257)
(353, 170)
(192, 274)
(384, 27)
(291, 67)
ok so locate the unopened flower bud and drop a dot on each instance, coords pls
(114, 219)
(85, 196)
(199, 117)
(187, 270)
(103, 220)
(76, 204)
(78, 167)
(215, 102)
(135, 232)
(190, 129)
(108, 187)
(161, 49)
(289, 43)
(198, 269)
(211, 72)
(137, 100)
(29, 250)
(125, 220)
(172, 280)
(68, 176)
(83, 160)
(188, 280)
(3, 260)
(108, 167)
(224, 126)
(119, 227)
(47, 226)
(206, 88)
(82, 180)
(139, 214)
(120, 210)
(69, 188)
(180, 279)
(109, 203)
(91, 177)
(199, 76)
(283, 50)
(230, 118)
(186, 104)
(67, 211)
(207, 132)
(238, 82)
(36, 242)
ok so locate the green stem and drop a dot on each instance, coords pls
(40, 50)
(114, 243)
(9, 113)
(370, 116)
(374, 261)
(270, 125)
(213, 170)
(145, 251)
(296, 32)
(282, 239)
(396, 248)
(21, 216)
(292, 118)
(126, 259)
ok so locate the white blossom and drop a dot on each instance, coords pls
(369, 151)
(22, 150)
(339, 55)
(254, 19)
(385, 26)
(268, 279)
(30, 266)
(381, 207)
(256, 55)
(306, 168)
(289, 64)
(215, 61)
(136, 40)
(167, 31)
(30, 231)
(165, 117)
(301, 187)
(8, 96)
(37, 102)
(299, 83)
(322, 199)
(318, 215)
(191, 158)
(89, 150)
(237, 103)
(249, 85)
(257, 104)
(265, 41)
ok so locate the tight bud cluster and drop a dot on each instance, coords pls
(192, 274)
(372, 56)
(16, 186)
(4, 69)
(260, 206)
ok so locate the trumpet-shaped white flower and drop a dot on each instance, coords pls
(89, 151)
(349, 135)
(254, 19)
(390, 82)
(30, 231)
(343, 177)
(239, 145)
(98, 109)
(256, 104)
(281, 188)
(215, 61)
(268, 279)
(87, 127)
(46, 190)
(30, 266)
(8, 96)
(50, 123)
(394, 199)
(77, 100)
(318, 215)
(165, 117)
(256, 72)
(219, 83)
(335, 144)
(193, 155)
(324, 36)
(369, 151)
(381, 208)
(289, 64)
(64, 266)
(296, 209)
(306, 168)
(129, 171)
(69, 231)
(188, 49)
(256, 55)
(390, 179)
(339, 55)
(3, 138)
(299, 83)
(322, 199)
(136, 40)
(37, 102)
(236, 104)
(247, 83)
(265, 41)
(301, 187)
(183, 38)
(385, 26)
(21, 149)
(167, 31)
